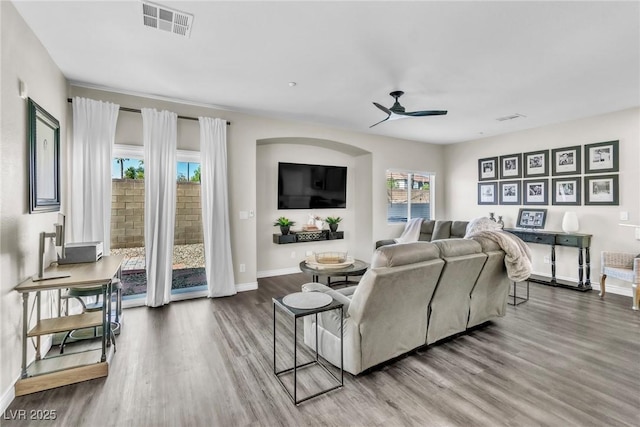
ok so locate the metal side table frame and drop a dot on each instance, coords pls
(296, 313)
(516, 299)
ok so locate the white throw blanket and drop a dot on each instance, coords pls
(518, 255)
(411, 231)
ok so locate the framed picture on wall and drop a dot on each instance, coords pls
(601, 190)
(531, 218)
(487, 193)
(44, 160)
(566, 191)
(536, 163)
(488, 169)
(566, 161)
(510, 192)
(510, 166)
(601, 157)
(535, 191)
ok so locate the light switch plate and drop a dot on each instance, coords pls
(244, 215)
(624, 216)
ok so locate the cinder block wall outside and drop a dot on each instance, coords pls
(127, 213)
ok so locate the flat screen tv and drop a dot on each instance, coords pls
(302, 186)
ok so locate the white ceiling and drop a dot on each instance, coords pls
(549, 61)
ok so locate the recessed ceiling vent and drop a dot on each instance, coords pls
(167, 19)
(510, 117)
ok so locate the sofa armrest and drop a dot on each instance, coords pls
(385, 242)
(319, 287)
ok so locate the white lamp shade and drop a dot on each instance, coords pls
(570, 222)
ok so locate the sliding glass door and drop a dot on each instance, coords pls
(127, 224)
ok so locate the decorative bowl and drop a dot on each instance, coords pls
(331, 257)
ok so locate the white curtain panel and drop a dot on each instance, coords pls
(215, 207)
(91, 150)
(160, 135)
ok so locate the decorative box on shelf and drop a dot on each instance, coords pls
(307, 236)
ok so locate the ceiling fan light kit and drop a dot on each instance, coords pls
(397, 111)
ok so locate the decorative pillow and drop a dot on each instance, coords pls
(481, 224)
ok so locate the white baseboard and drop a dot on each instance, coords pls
(611, 288)
(10, 393)
(8, 396)
(244, 287)
(280, 272)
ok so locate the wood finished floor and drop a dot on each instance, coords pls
(564, 358)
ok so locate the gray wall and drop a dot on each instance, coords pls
(23, 58)
(601, 221)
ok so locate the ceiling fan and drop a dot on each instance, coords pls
(397, 111)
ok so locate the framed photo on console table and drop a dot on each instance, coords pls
(535, 191)
(536, 163)
(488, 169)
(511, 166)
(601, 157)
(601, 190)
(531, 218)
(487, 193)
(566, 191)
(510, 192)
(566, 161)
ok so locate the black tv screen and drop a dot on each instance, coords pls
(303, 186)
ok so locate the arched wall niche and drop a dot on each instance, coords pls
(274, 259)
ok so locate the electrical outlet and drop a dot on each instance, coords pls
(243, 268)
(624, 216)
(547, 260)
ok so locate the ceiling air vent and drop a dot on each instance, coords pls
(166, 19)
(510, 117)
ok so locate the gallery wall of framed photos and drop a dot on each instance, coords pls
(557, 176)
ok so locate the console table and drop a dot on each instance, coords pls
(50, 372)
(559, 238)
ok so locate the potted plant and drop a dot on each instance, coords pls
(285, 224)
(333, 222)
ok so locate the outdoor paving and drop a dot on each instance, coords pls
(184, 256)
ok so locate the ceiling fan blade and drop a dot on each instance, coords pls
(426, 113)
(383, 108)
(383, 120)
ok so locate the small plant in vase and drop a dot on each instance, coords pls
(333, 222)
(285, 224)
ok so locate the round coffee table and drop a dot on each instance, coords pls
(358, 268)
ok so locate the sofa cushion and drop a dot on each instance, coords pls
(404, 253)
(457, 247)
(442, 230)
(459, 228)
(426, 231)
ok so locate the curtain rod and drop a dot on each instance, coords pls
(135, 110)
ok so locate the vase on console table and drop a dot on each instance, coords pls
(492, 217)
(500, 222)
(570, 222)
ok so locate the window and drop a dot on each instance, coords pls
(408, 195)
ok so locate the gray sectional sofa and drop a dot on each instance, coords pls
(435, 230)
(414, 294)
